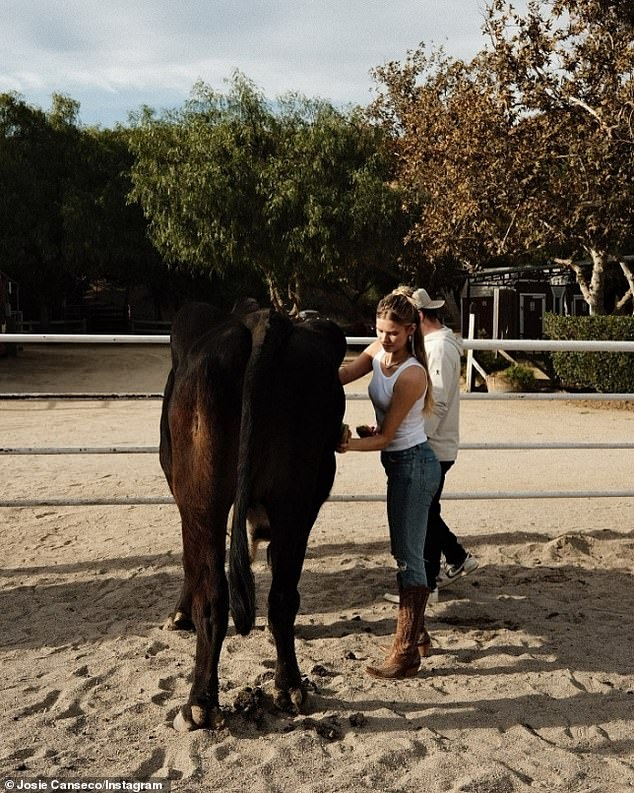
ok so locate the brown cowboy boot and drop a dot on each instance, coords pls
(424, 639)
(404, 657)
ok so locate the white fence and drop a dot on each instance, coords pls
(470, 344)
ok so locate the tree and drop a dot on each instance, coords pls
(455, 140)
(334, 213)
(231, 185)
(571, 64)
(64, 214)
(105, 236)
(196, 175)
(36, 152)
(528, 149)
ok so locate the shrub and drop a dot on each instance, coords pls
(521, 377)
(600, 371)
(489, 362)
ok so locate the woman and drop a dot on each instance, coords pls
(401, 393)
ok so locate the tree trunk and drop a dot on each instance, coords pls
(593, 290)
(597, 281)
(294, 296)
(274, 295)
(629, 295)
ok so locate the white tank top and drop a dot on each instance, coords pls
(412, 430)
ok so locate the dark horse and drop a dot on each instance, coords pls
(251, 417)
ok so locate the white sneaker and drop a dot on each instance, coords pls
(453, 571)
(433, 597)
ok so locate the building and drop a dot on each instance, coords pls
(510, 302)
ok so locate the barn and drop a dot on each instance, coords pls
(510, 302)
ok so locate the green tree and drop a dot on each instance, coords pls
(64, 216)
(35, 155)
(232, 185)
(105, 236)
(336, 218)
(196, 175)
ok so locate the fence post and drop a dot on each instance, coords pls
(469, 369)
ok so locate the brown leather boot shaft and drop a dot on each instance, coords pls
(424, 639)
(404, 657)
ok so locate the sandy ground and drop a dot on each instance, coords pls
(530, 685)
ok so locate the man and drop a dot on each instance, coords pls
(443, 349)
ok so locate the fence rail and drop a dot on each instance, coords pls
(483, 446)
(492, 495)
(527, 345)
(470, 344)
(99, 396)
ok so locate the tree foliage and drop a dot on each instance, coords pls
(570, 63)
(63, 210)
(454, 136)
(34, 156)
(299, 193)
(528, 149)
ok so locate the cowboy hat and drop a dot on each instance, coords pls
(422, 300)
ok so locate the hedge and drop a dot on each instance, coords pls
(609, 373)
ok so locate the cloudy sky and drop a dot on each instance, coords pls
(115, 55)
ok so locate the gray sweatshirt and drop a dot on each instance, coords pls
(444, 349)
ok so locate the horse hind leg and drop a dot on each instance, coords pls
(210, 614)
(287, 550)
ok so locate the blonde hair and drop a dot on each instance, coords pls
(398, 307)
(404, 289)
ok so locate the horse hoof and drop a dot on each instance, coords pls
(183, 724)
(179, 621)
(297, 698)
(290, 701)
(199, 719)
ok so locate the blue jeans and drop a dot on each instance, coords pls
(440, 538)
(413, 477)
